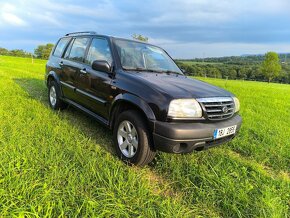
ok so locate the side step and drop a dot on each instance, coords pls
(94, 115)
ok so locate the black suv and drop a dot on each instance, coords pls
(138, 91)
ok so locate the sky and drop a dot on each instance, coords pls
(185, 28)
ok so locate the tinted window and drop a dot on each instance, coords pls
(66, 54)
(60, 47)
(99, 50)
(78, 49)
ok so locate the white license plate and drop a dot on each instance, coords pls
(219, 133)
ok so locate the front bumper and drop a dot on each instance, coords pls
(186, 137)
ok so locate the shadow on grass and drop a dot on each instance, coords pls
(86, 124)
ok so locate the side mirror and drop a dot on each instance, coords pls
(103, 66)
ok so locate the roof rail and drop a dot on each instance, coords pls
(80, 33)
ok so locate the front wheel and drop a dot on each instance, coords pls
(132, 139)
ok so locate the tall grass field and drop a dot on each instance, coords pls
(62, 164)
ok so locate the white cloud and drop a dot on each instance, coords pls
(103, 9)
(13, 19)
(8, 7)
(47, 18)
(8, 16)
(203, 12)
(55, 14)
(194, 12)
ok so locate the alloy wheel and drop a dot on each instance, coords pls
(127, 137)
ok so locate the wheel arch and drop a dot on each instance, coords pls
(128, 101)
(52, 76)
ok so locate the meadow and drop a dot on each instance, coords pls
(62, 164)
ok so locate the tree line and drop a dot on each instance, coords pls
(41, 51)
(15, 52)
(265, 68)
(244, 59)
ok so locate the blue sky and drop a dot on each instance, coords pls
(186, 29)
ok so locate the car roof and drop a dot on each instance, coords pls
(92, 33)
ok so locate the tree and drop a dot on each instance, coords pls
(140, 37)
(232, 73)
(39, 51)
(18, 53)
(271, 66)
(242, 73)
(4, 51)
(43, 51)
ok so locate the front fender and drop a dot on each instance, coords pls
(135, 100)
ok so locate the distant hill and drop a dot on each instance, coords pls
(245, 67)
(239, 60)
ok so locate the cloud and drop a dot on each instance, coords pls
(8, 16)
(200, 50)
(169, 22)
(12, 19)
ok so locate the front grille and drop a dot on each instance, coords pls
(219, 108)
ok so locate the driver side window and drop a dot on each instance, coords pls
(99, 50)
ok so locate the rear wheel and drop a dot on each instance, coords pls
(54, 96)
(132, 139)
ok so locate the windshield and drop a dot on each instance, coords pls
(141, 56)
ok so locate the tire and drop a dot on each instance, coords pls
(132, 139)
(54, 96)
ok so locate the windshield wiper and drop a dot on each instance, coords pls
(134, 68)
(152, 70)
(143, 69)
(170, 71)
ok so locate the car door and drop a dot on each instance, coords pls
(72, 63)
(95, 86)
(56, 61)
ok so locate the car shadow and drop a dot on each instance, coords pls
(37, 90)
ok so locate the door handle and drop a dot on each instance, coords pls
(83, 71)
(61, 63)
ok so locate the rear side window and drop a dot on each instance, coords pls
(99, 50)
(66, 54)
(60, 47)
(78, 49)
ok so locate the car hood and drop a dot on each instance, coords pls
(180, 86)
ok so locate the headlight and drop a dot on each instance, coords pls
(237, 104)
(184, 108)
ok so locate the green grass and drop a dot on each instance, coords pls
(62, 163)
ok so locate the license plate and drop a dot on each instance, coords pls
(219, 133)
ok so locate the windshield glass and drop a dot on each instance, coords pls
(140, 56)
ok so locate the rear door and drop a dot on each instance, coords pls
(72, 63)
(95, 86)
(55, 62)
